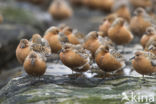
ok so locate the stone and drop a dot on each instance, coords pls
(48, 89)
(10, 36)
(57, 87)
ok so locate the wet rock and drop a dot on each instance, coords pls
(7, 75)
(15, 13)
(9, 39)
(57, 87)
(18, 23)
(64, 90)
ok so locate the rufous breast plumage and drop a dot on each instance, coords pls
(75, 57)
(119, 33)
(108, 59)
(22, 50)
(35, 64)
(144, 63)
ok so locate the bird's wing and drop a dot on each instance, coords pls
(153, 62)
(63, 38)
(152, 57)
(78, 49)
(42, 57)
(45, 43)
(117, 55)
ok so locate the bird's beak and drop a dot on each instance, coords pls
(132, 58)
(22, 45)
(32, 61)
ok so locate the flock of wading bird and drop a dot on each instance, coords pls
(79, 52)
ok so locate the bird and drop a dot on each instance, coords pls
(59, 9)
(91, 42)
(105, 40)
(106, 5)
(107, 22)
(144, 62)
(72, 37)
(119, 33)
(36, 38)
(62, 26)
(140, 22)
(22, 50)
(91, 4)
(40, 44)
(37, 1)
(75, 57)
(34, 64)
(86, 2)
(108, 59)
(45, 51)
(102, 34)
(151, 12)
(79, 35)
(150, 42)
(141, 3)
(54, 38)
(94, 4)
(124, 12)
(152, 48)
(34, 1)
(150, 32)
(76, 2)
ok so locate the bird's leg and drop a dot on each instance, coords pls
(31, 79)
(112, 73)
(39, 78)
(143, 79)
(82, 74)
(105, 74)
(139, 82)
(75, 75)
